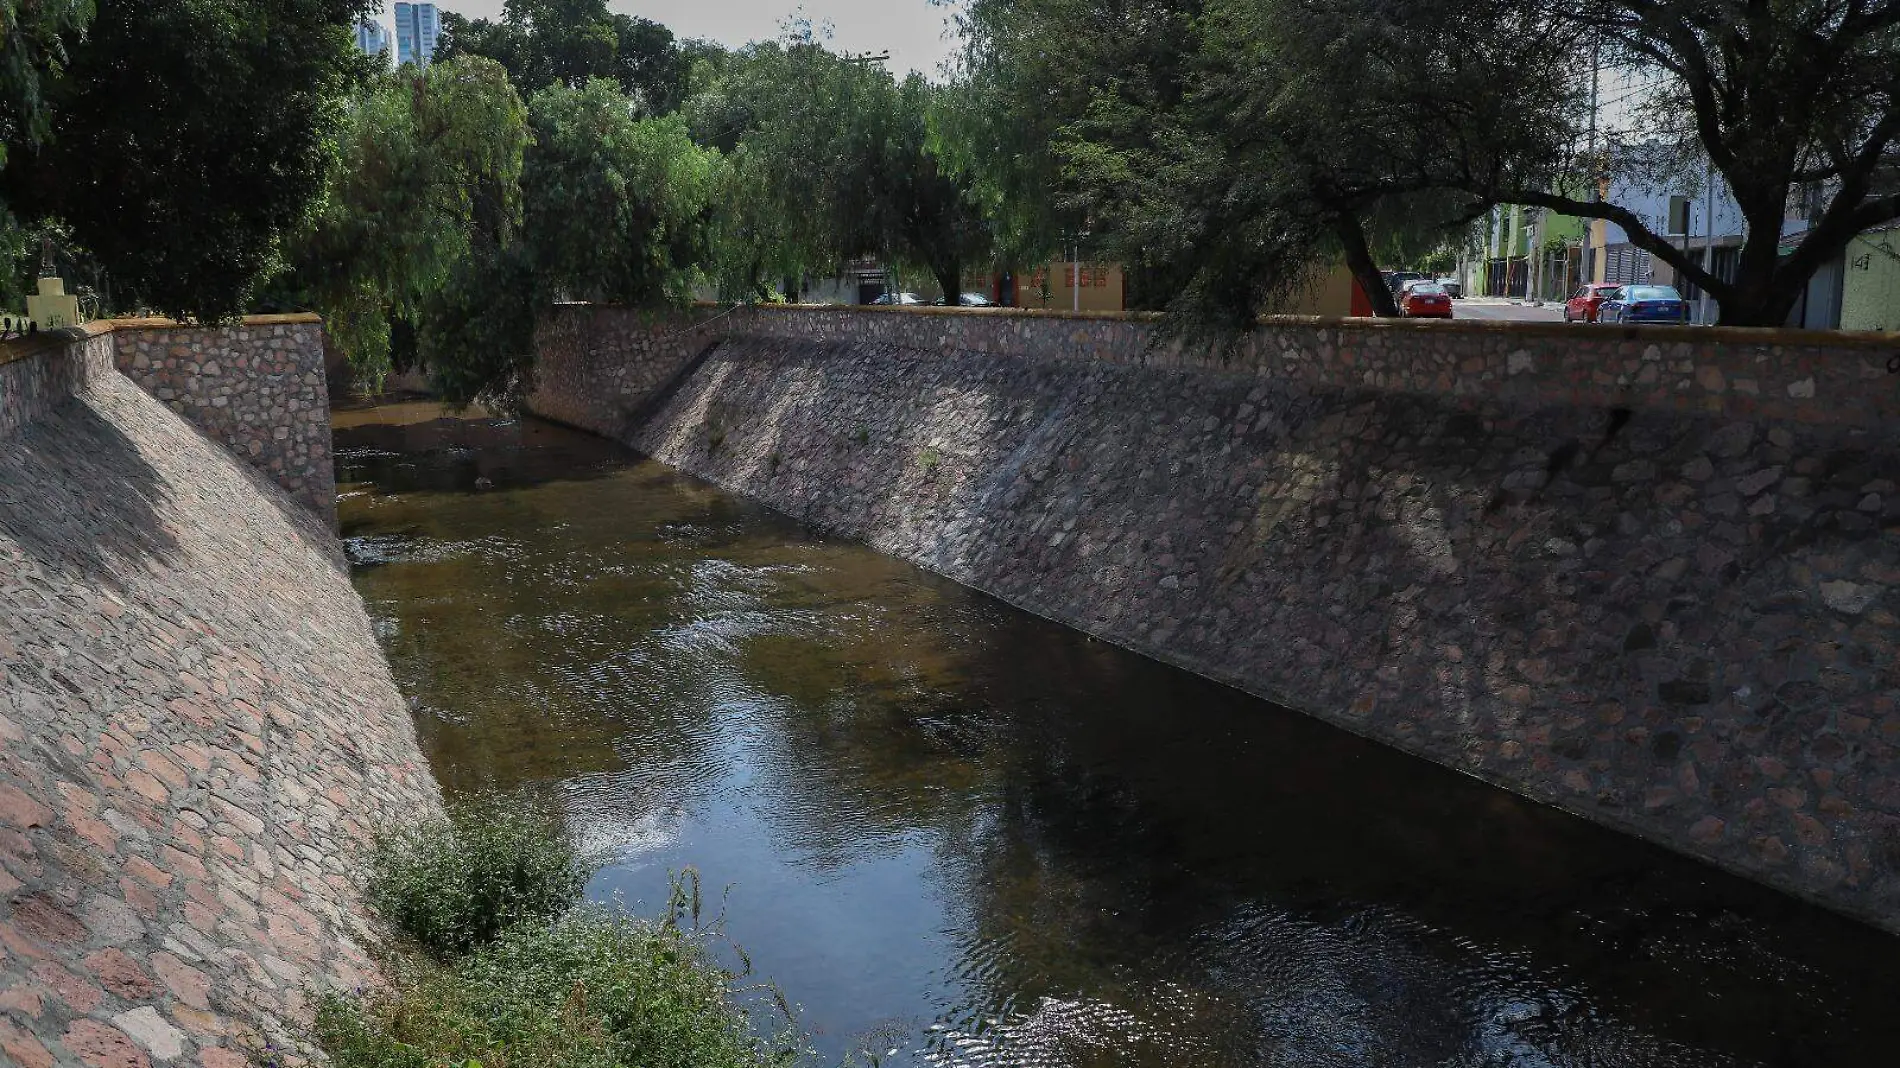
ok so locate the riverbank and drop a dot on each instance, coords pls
(199, 731)
(1645, 575)
(958, 835)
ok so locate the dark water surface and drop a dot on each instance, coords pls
(955, 834)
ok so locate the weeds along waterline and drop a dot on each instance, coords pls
(453, 884)
(495, 963)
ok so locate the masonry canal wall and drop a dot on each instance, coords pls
(1648, 575)
(197, 728)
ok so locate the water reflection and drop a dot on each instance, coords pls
(958, 835)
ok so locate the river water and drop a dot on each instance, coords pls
(955, 834)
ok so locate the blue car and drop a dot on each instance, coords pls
(1644, 304)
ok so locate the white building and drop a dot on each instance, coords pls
(1627, 99)
(372, 39)
(418, 27)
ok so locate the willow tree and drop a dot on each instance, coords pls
(832, 158)
(429, 176)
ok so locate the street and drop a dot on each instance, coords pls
(1505, 309)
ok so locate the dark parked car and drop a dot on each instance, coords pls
(1397, 279)
(1644, 304)
(901, 299)
(1453, 287)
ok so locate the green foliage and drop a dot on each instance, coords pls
(831, 159)
(430, 176)
(618, 207)
(186, 138)
(477, 331)
(573, 42)
(454, 885)
(1227, 148)
(1787, 100)
(33, 45)
(590, 990)
(799, 125)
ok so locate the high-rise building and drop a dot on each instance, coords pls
(372, 38)
(417, 28)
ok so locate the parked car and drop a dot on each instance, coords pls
(1424, 299)
(1644, 304)
(1398, 279)
(1453, 287)
(902, 299)
(970, 300)
(1583, 304)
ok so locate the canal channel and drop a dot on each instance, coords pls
(954, 834)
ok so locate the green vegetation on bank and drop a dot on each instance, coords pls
(498, 965)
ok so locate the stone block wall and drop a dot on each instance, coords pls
(259, 388)
(198, 733)
(37, 375)
(1571, 562)
(598, 368)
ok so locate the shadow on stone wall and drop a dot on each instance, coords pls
(64, 526)
(1680, 625)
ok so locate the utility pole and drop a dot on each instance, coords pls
(1589, 225)
(1075, 275)
(1706, 312)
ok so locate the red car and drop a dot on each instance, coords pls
(1424, 300)
(1583, 304)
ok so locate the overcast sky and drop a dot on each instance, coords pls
(913, 30)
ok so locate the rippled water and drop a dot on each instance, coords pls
(954, 834)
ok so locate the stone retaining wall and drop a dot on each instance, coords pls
(197, 733)
(598, 368)
(259, 388)
(1656, 599)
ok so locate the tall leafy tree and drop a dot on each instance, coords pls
(832, 159)
(1792, 101)
(802, 129)
(618, 206)
(1227, 147)
(571, 42)
(34, 40)
(928, 214)
(429, 177)
(188, 137)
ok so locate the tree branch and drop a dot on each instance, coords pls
(1639, 234)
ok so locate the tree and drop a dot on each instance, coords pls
(1227, 147)
(34, 39)
(927, 214)
(1790, 100)
(188, 138)
(618, 208)
(430, 169)
(802, 131)
(831, 159)
(33, 47)
(615, 208)
(570, 42)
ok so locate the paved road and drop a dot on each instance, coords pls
(1495, 308)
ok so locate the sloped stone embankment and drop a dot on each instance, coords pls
(197, 732)
(1651, 576)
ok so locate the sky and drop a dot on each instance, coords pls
(916, 32)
